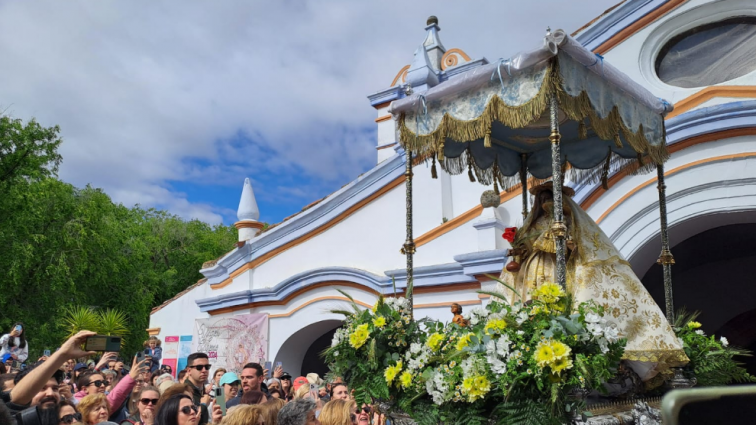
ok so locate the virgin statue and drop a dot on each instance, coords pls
(595, 271)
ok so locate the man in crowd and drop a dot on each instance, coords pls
(198, 369)
(39, 386)
(339, 391)
(251, 380)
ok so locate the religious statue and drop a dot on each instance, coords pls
(596, 271)
(456, 310)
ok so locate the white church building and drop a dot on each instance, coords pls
(699, 55)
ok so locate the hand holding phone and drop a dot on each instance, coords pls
(47, 353)
(268, 366)
(220, 399)
(103, 343)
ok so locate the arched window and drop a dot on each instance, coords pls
(709, 54)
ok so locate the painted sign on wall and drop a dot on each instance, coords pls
(185, 348)
(231, 342)
(170, 353)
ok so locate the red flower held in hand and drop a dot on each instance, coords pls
(509, 234)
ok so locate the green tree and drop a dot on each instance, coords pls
(27, 150)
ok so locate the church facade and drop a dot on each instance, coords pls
(696, 54)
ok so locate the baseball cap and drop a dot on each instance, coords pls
(229, 378)
(299, 382)
(313, 378)
(79, 366)
(286, 375)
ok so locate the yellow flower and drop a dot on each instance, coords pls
(392, 371)
(405, 379)
(464, 341)
(544, 354)
(548, 293)
(497, 325)
(360, 335)
(561, 364)
(560, 349)
(475, 387)
(434, 341)
(379, 321)
(694, 325)
(375, 307)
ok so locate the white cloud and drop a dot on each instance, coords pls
(140, 88)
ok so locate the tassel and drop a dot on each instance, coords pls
(487, 139)
(434, 174)
(605, 171)
(617, 140)
(582, 130)
(469, 166)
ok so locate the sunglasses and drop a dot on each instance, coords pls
(97, 383)
(69, 419)
(147, 401)
(187, 410)
(367, 409)
(201, 367)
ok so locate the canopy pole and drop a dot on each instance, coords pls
(665, 258)
(558, 228)
(408, 248)
(524, 184)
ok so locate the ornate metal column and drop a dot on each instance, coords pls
(558, 228)
(408, 248)
(524, 184)
(665, 258)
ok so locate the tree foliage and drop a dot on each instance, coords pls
(64, 247)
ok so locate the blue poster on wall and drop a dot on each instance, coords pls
(185, 348)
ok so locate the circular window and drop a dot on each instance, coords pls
(709, 54)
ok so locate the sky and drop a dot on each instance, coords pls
(173, 104)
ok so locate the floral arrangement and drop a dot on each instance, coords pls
(712, 360)
(511, 363)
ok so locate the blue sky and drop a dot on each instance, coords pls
(173, 107)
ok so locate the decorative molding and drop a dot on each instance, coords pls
(709, 93)
(484, 262)
(386, 146)
(153, 331)
(379, 99)
(670, 173)
(703, 125)
(436, 275)
(310, 223)
(312, 301)
(450, 59)
(447, 304)
(249, 225)
(402, 74)
(383, 118)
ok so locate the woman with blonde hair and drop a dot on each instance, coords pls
(245, 414)
(339, 412)
(94, 409)
(272, 406)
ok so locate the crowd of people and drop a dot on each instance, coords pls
(68, 387)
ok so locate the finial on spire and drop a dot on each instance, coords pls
(248, 214)
(432, 20)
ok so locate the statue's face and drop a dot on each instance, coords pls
(456, 309)
(545, 196)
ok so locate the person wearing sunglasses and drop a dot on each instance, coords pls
(198, 370)
(144, 407)
(93, 382)
(179, 409)
(94, 409)
(67, 413)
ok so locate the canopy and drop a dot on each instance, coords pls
(495, 118)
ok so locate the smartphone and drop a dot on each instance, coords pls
(103, 343)
(268, 367)
(47, 353)
(18, 328)
(279, 364)
(220, 398)
(314, 392)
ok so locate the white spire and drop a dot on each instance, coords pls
(248, 205)
(433, 44)
(421, 74)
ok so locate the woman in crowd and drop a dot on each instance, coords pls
(174, 390)
(155, 352)
(94, 409)
(272, 407)
(14, 343)
(339, 412)
(275, 393)
(298, 412)
(179, 409)
(90, 383)
(143, 407)
(254, 397)
(67, 413)
(246, 415)
(215, 383)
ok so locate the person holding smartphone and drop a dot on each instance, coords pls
(14, 343)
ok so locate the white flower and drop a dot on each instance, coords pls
(522, 317)
(700, 332)
(336, 353)
(611, 334)
(592, 318)
(520, 332)
(724, 341)
(415, 347)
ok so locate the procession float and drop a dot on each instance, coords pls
(571, 334)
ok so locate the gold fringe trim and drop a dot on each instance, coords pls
(577, 108)
(669, 358)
